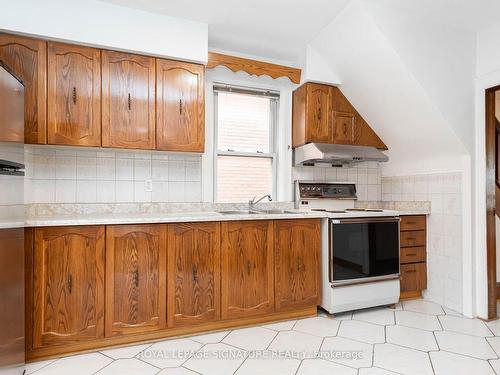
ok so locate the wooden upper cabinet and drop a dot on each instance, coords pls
(193, 295)
(68, 285)
(74, 95)
(27, 59)
(322, 114)
(319, 122)
(297, 246)
(135, 278)
(180, 124)
(247, 269)
(128, 100)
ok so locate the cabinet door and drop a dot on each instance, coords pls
(27, 59)
(128, 100)
(135, 278)
(68, 285)
(247, 269)
(297, 246)
(180, 106)
(319, 113)
(343, 128)
(74, 95)
(413, 277)
(194, 273)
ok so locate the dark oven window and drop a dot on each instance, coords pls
(362, 250)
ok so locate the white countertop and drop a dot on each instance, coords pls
(179, 217)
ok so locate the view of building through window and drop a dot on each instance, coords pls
(245, 159)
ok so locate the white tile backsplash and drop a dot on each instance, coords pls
(56, 174)
(444, 229)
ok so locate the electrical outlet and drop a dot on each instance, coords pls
(148, 185)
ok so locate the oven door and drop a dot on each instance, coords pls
(363, 250)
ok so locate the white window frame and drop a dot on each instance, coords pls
(273, 126)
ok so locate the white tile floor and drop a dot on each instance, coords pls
(417, 337)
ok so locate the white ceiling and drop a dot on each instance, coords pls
(277, 29)
(280, 29)
(470, 15)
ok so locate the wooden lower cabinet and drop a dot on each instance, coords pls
(194, 253)
(297, 249)
(90, 287)
(68, 285)
(135, 278)
(413, 277)
(247, 269)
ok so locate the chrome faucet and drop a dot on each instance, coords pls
(253, 202)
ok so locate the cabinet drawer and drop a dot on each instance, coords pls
(412, 223)
(412, 255)
(412, 238)
(413, 277)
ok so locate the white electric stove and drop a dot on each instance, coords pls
(360, 247)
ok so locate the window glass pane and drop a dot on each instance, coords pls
(243, 122)
(241, 178)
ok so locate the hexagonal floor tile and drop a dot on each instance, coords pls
(382, 316)
(318, 326)
(347, 352)
(375, 371)
(495, 344)
(78, 364)
(176, 371)
(362, 331)
(495, 363)
(320, 366)
(343, 316)
(252, 338)
(125, 352)
(402, 360)
(259, 366)
(422, 306)
(130, 366)
(169, 353)
(473, 327)
(471, 346)
(445, 363)
(210, 338)
(411, 338)
(216, 359)
(281, 326)
(494, 327)
(418, 320)
(299, 344)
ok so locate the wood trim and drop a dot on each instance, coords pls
(491, 201)
(71, 349)
(253, 67)
(410, 295)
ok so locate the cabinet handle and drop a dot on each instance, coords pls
(136, 278)
(410, 271)
(74, 95)
(410, 238)
(129, 102)
(249, 268)
(411, 255)
(70, 283)
(299, 264)
(180, 106)
(319, 114)
(195, 274)
(411, 222)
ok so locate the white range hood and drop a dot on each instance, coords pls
(313, 153)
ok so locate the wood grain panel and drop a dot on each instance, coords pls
(319, 113)
(74, 95)
(180, 124)
(413, 255)
(253, 67)
(299, 116)
(413, 223)
(247, 269)
(29, 243)
(68, 285)
(412, 238)
(135, 278)
(413, 277)
(297, 247)
(128, 100)
(193, 294)
(27, 59)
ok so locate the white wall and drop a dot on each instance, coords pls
(100, 24)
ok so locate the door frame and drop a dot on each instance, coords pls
(491, 157)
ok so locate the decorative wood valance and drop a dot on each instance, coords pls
(254, 67)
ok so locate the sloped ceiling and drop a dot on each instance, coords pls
(386, 91)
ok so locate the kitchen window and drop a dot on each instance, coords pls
(245, 158)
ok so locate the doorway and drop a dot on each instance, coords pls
(493, 198)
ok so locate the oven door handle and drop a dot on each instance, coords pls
(388, 219)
